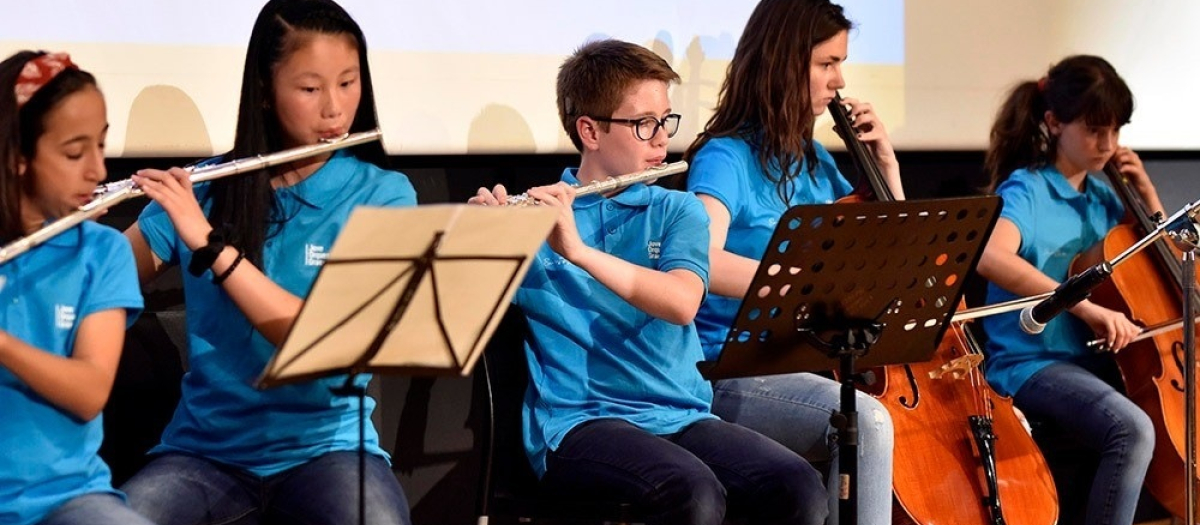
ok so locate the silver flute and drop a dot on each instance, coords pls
(113, 193)
(614, 183)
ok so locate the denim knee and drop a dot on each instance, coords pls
(798, 495)
(690, 496)
(181, 489)
(100, 508)
(875, 430)
(1136, 430)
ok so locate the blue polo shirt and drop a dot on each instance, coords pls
(728, 170)
(48, 456)
(221, 415)
(593, 355)
(1057, 222)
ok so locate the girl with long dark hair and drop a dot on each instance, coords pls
(1050, 136)
(253, 245)
(66, 302)
(755, 159)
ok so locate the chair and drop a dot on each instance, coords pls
(145, 391)
(509, 490)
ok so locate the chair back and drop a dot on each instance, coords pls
(507, 473)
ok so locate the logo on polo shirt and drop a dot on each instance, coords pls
(554, 260)
(314, 255)
(654, 249)
(64, 316)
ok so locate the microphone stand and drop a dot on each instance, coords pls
(1188, 241)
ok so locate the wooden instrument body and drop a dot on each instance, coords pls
(938, 463)
(1152, 369)
(938, 475)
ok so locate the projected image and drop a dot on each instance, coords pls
(464, 76)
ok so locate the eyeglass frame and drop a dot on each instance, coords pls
(636, 124)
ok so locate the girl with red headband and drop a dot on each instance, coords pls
(66, 302)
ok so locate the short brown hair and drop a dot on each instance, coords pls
(595, 78)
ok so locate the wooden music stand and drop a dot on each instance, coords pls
(409, 290)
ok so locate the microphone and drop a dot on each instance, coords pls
(1068, 294)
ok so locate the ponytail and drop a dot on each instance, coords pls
(1078, 87)
(1019, 137)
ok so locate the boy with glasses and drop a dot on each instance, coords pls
(616, 408)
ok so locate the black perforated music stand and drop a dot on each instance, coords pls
(838, 280)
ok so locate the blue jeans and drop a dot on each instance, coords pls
(176, 489)
(1102, 419)
(95, 509)
(688, 478)
(794, 410)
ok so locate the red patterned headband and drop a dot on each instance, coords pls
(39, 72)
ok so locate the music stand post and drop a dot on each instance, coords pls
(420, 267)
(852, 339)
(839, 280)
(378, 304)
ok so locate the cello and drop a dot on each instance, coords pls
(957, 441)
(1147, 287)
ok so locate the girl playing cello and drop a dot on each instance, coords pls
(1049, 137)
(755, 159)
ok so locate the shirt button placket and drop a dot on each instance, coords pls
(610, 229)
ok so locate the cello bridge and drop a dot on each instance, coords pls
(958, 368)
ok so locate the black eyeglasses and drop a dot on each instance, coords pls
(646, 127)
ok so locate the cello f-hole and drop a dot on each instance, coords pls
(914, 390)
(1177, 357)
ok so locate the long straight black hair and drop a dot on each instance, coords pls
(245, 206)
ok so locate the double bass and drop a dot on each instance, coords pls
(962, 456)
(1147, 287)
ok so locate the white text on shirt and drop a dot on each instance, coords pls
(64, 316)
